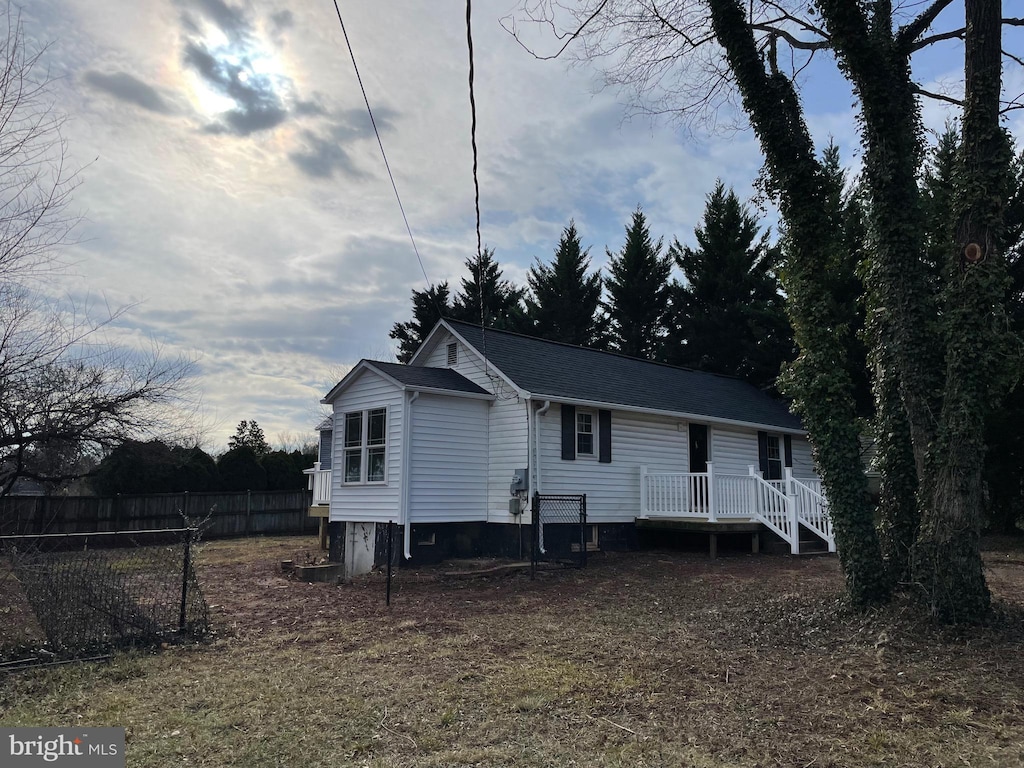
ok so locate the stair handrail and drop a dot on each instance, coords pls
(778, 520)
(812, 511)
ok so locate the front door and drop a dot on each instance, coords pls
(698, 447)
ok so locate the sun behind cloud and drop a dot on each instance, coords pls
(237, 80)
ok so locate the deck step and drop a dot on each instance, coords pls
(813, 547)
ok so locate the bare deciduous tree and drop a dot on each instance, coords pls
(66, 390)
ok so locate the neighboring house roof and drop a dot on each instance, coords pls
(563, 372)
(327, 423)
(26, 486)
(441, 380)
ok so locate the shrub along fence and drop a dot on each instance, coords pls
(218, 514)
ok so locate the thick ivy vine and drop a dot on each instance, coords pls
(820, 385)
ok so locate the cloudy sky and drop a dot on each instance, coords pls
(233, 191)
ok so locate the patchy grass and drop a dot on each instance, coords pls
(652, 659)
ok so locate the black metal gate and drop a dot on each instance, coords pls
(560, 529)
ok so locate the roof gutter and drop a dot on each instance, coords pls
(701, 417)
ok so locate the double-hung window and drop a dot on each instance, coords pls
(366, 446)
(774, 458)
(584, 433)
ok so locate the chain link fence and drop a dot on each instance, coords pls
(65, 595)
(560, 530)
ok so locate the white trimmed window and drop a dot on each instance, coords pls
(584, 433)
(774, 458)
(365, 446)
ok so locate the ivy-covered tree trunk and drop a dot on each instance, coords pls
(822, 387)
(947, 361)
(902, 320)
(947, 563)
(898, 515)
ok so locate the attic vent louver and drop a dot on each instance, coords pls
(453, 353)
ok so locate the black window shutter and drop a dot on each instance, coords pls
(762, 452)
(568, 432)
(604, 436)
(787, 446)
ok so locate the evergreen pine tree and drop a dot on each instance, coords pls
(638, 291)
(847, 209)
(564, 302)
(502, 301)
(729, 317)
(937, 189)
(428, 307)
(249, 434)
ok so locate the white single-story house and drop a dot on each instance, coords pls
(452, 447)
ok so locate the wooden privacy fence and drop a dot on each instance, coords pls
(230, 514)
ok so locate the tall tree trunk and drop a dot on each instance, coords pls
(904, 323)
(823, 390)
(898, 516)
(947, 563)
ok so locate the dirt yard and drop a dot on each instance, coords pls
(649, 659)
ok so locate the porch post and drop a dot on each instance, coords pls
(712, 511)
(755, 510)
(794, 523)
(643, 491)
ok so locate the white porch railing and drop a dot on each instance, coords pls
(812, 509)
(782, 505)
(319, 484)
(774, 510)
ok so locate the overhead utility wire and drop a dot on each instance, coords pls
(472, 128)
(476, 184)
(382, 153)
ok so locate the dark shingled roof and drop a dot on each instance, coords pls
(556, 370)
(431, 378)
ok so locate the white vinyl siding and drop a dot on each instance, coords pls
(438, 357)
(803, 464)
(471, 366)
(613, 490)
(733, 450)
(507, 427)
(376, 502)
(509, 438)
(448, 465)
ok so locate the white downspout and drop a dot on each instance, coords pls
(536, 436)
(405, 518)
(536, 457)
